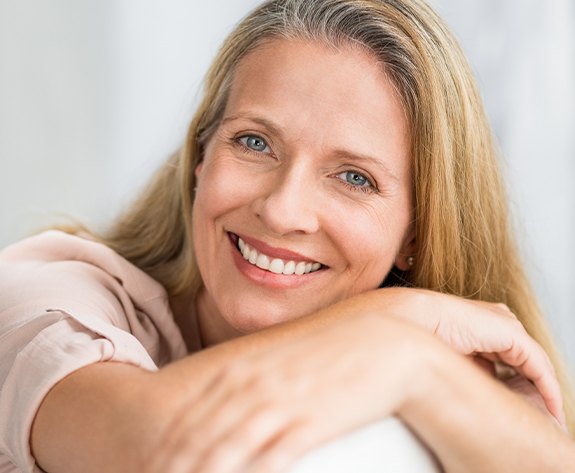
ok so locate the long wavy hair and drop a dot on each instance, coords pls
(465, 244)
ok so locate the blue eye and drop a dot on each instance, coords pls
(356, 180)
(254, 143)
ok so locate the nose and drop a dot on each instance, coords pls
(290, 203)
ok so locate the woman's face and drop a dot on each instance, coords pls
(308, 172)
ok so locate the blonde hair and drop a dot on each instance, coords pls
(463, 234)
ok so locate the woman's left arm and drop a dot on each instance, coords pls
(473, 423)
(487, 333)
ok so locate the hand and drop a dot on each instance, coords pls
(268, 408)
(529, 393)
(482, 329)
(264, 411)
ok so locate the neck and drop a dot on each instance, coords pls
(185, 316)
(213, 327)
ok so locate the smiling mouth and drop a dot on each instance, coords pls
(275, 265)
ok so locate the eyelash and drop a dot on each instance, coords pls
(370, 189)
(238, 141)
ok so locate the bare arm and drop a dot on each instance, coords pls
(475, 424)
(118, 418)
(107, 416)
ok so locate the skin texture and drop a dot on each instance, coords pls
(316, 110)
(312, 349)
(276, 383)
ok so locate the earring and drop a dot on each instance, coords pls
(410, 261)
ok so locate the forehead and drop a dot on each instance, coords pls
(310, 89)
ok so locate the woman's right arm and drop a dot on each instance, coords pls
(110, 416)
(116, 417)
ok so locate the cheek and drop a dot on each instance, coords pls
(221, 188)
(370, 237)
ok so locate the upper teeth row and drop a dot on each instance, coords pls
(275, 265)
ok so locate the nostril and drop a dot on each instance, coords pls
(287, 216)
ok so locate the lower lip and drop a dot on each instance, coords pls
(269, 279)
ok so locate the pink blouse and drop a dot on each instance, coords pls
(67, 302)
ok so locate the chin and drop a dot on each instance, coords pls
(246, 324)
(248, 321)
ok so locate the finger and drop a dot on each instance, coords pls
(531, 361)
(174, 456)
(225, 429)
(192, 431)
(234, 417)
(505, 310)
(242, 443)
(498, 307)
(499, 335)
(279, 455)
(520, 351)
(484, 364)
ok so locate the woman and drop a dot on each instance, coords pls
(340, 146)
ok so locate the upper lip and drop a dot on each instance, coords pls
(274, 252)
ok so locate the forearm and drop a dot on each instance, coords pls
(96, 419)
(114, 417)
(474, 424)
(107, 417)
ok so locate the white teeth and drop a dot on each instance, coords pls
(263, 262)
(275, 265)
(300, 268)
(289, 268)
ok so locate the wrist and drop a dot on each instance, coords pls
(413, 305)
(431, 376)
(445, 408)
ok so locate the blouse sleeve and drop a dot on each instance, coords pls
(57, 317)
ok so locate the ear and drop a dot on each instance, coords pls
(408, 250)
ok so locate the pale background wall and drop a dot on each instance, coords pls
(523, 52)
(94, 94)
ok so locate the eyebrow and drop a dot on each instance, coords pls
(340, 153)
(363, 158)
(275, 129)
